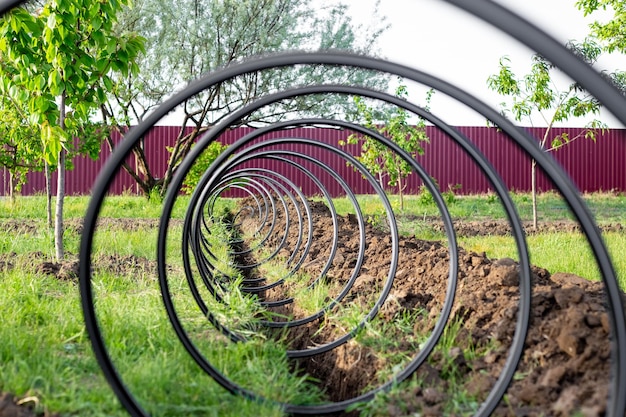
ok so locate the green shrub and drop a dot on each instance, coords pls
(201, 165)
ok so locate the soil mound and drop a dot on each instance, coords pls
(67, 270)
(14, 407)
(502, 227)
(566, 363)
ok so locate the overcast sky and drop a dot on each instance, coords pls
(437, 38)
(433, 36)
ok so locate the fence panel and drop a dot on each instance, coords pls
(593, 166)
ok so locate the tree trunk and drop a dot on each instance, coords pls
(184, 142)
(58, 216)
(140, 173)
(48, 195)
(138, 161)
(11, 187)
(533, 185)
(401, 192)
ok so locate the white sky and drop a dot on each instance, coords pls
(440, 39)
(433, 36)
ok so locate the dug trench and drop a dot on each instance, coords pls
(566, 362)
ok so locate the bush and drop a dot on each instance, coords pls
(425, 197)
(201, 165)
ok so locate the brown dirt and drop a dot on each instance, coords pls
(15, 407)
(502, 227)
(566, 365)
(67, 270)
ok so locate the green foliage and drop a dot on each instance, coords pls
(57, 62)
(20, 147)
(536, 93)
(201, 165)
(610, 32)
(186, 39)
(393, 123)
(492, 198)
(449, 196)
(155, 195)
(425, 197)
(67, 49)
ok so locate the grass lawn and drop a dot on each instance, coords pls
(45, 353)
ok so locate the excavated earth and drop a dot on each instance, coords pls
(566, 363)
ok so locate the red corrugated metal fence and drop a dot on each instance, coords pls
(593, 166)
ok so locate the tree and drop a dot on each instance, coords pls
(188, 38)
(60, 60)
(20, 147)
(536, 93)
(393, 123)
(611, 34)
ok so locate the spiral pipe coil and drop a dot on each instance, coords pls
(272, 195)
(276, 210)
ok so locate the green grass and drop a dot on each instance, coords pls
(556, 252)
(386, 339)
(34, 207)
(606, 208)
(45, 352)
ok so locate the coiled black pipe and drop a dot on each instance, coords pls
(221, 168)
(196, 222)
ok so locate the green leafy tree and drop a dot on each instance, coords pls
(59, 61)
(393, 123)
(201, 165)
(188, 38)
(20, 147)
(610, 33)
(537, 94)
